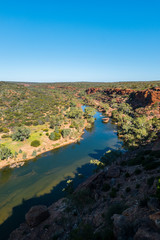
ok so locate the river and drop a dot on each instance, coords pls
(41, 180)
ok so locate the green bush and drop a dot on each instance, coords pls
(21, 134)
(66, 132)
(4, 130)
(34, 153)
(5, 152)
(35, 143)
(45, 130)
(5, 136)
(24, 156)
(54, 136)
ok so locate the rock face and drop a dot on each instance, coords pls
(92, 90)
(136, 98)
(118, 91)
(36, 215)
(145, 98)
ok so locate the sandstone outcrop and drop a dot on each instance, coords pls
(145, 98)
(92, 90)
(137, 99)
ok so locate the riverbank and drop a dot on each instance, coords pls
(46, 146)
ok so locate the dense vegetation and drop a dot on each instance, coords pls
(52, 112)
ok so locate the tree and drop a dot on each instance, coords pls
(21, 134)
(5, 152)
(35, 143)
(89, 111)
(75, 112)
(54, 136)
(66, 132)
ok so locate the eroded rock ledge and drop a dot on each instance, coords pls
(136, 98)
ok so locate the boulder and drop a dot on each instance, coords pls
(36, 215)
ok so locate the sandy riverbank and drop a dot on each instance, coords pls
(46, 146)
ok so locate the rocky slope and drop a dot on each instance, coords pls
(136, 98)
(119, 202)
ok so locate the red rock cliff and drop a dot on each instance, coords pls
(145, 98)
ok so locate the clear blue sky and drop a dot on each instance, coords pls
(79, 40)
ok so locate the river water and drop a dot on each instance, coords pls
(40, 181)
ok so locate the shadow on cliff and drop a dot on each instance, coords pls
(18, 212)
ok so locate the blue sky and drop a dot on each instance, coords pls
(79, 40)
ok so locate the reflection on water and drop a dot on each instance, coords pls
(41, 180)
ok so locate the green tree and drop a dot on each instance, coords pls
(89, 112)
(66, 132)
(75, 112)
(5, 152)
(54, 136)
(21, 134)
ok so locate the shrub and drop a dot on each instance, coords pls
(66, 132)
(45, 130)
(35, 143)
(5, 152)
(21, 134)
(24, 156)
(4, 130)
(54, 136)
(5, 136)
(34, 153)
